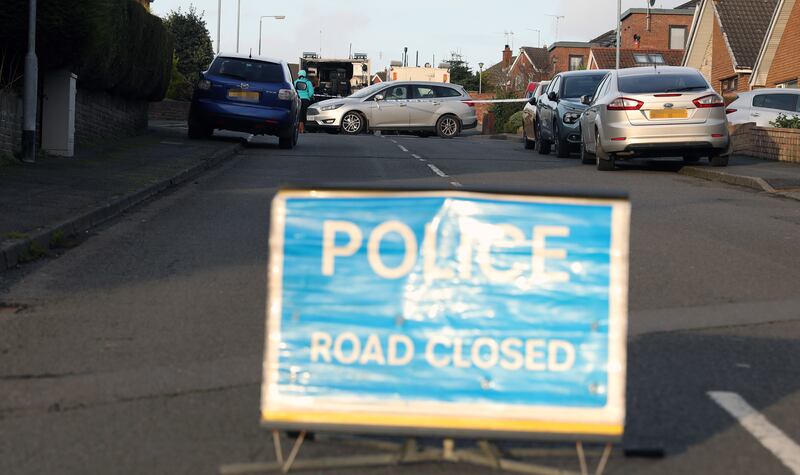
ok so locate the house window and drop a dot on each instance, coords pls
(677, 37)
(788, 85)
(643, 58)
(729, 85)
(575, 63)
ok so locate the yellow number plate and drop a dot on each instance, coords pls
(669, 114)
(238, 94)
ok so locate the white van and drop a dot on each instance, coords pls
(763, 106)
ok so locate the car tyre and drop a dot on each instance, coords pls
(586, 157)
(353, 123)
(288, 139)
(542, 145)
(605, 161)
(718, 160)
(198, 129)
(529, 144)
(562, 146)
(448, 126)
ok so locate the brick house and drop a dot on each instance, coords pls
(531, 65)
(606, 58)
(568, 56)
(495, 77)
(777, 64)
(655, 28)
(726, 38)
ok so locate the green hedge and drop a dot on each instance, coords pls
(112, 45)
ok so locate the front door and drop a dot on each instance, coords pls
(422, 106)
(393, 110)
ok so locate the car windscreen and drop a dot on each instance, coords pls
(584, 85)
(367, 91)
(655, 83)
(248, 70)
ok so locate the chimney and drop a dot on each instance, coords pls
(507, 55)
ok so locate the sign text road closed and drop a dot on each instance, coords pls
(447, 312)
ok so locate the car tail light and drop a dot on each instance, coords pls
(286, 94)
(618, 139)
(204, 85)
(469, 103)
(730, 111)
(717, 136)
(624, 104)
(711, 100)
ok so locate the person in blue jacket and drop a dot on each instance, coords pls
(306, 95)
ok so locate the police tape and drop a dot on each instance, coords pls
(493, 101)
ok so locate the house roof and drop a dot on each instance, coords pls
(606, 58)
(607, 39)
(771, 43)
(657, 11)
(690, 5)
(497, 74)
(568, 44)
(538, 56)
(744, 24)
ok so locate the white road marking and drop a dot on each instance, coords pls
(437, 171)
(415, 155)
(403, 148)
(422, 160)
(456, 184)
(781, 446)
(167, 142)
(394, 141)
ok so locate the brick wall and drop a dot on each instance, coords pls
(658, 36)
(722, 64)
(785, 66)
(766, 142)
(561, 57)
(481, 109)
(169, 110)
(100, 117)
(10, 123)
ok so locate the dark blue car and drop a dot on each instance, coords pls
(247, 94)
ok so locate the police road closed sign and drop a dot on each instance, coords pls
(446, 312)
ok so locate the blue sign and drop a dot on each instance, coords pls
(447, 312)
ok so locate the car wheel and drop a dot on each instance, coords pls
(718, 160)
(199, 129)
(529, 144)
(562, 146)
(353, 123)
(542, 145)
(605, 162)
(448, 126)
(288, 139)
(586, 157)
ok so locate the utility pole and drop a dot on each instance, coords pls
(30, 91)
(619, 26)
(219, 22)
(480, 78)
(238, 20)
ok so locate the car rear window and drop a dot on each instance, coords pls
(583, 85)
(248, 70)
(658, 83)
(443, 91)
(784, 102)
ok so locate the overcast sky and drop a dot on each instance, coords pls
(381, 29)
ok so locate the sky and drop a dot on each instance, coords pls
(383, 28)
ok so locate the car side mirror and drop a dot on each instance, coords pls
(379, 97)
(533, 101)
(553, 96)
(301, 86)
(586, 100)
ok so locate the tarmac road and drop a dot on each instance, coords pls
(139, 351)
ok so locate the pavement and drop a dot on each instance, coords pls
(48, 205)
(139, 350)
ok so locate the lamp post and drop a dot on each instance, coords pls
(29, 91)
(619, 24)
(480, 78)
(219, 21)
(260, 22)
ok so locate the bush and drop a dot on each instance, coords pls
(784, 122)
(112, 45)
(179, 88)
(504, 110)
(514, 123)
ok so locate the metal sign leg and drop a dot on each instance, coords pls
(601, 466)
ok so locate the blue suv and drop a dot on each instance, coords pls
(246, 94)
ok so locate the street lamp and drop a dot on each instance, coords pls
(29, 95)
(260, 22)
(480, 78)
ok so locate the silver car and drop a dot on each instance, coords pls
(654, 112)
(422, 107)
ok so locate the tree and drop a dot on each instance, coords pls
(192, 41)
(461, 74)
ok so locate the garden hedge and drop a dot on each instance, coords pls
(112, 45)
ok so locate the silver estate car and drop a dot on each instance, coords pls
(654, 112)
(426, 108)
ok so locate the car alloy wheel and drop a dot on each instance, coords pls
(448, 127)
(352, 123)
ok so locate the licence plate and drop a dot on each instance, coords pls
(669, 114)
(240, 95)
